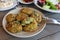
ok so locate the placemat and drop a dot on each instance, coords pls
(49, 29)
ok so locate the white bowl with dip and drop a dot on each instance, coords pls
(6, 5)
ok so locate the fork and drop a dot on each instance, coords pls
(51, 20)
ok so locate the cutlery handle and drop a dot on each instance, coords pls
(51, 21)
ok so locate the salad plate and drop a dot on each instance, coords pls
(50, 5)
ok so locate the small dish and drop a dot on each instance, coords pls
(21, 1)
(10, 7)
(23, 34)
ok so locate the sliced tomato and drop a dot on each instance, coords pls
(58, 6)
(28, 0)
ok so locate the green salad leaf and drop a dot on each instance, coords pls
(59, 1)
(52, 6)
(46, 7)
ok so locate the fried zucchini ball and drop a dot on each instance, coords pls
(37, 16)
(27, 21)
(21, 16)
(27, 11)
(10, 17)
(14, 27)
(31, 27)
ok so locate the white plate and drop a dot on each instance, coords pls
(21, 1)
(23, 34)
(49, 10)
(14, 4)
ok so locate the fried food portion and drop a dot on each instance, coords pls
(27, 21)
(27, 11)
(21, 16)
(32, 13)
(14, 27)
(10, 17)
(37, 16)
(31, 27)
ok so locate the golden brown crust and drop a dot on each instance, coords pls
(21, 16)
(33, 13)
(31, 27)
(14, 27)
(25, 13)
(10, 17)
(37, 17)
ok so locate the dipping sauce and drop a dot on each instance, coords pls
(27, 0)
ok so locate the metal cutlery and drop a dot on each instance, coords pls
(51, 20)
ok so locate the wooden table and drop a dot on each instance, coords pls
(50, 28)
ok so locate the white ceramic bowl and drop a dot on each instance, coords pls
(23, 34)
(14, 4)
(49, 10)
(21, 1)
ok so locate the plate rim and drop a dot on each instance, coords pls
(20, 36)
